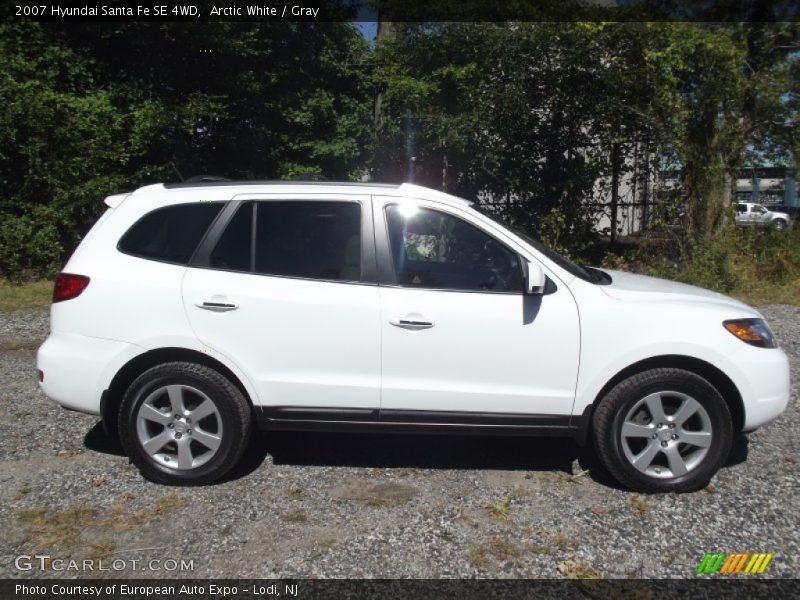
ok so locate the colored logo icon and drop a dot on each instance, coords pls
(732, 563)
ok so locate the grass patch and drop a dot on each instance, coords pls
(102, 548)
(297, 495)
(23, 490)
(121, 520)
(377, 495)
(640, 504)
(500, 549)
(445, 534)
(74, 527)
(555, 540)
(169, 502)
(33, 295)
(478, 556)
(499, 508)
(55, 528)
(573, 569)
(295, 515)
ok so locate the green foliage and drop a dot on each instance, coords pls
(755, 265)
(525, 115)
(30, 243)
(530, 114)
(90, 109)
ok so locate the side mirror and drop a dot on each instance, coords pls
(535, 279)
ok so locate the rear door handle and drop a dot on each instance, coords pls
(412, 324)
(218, 305)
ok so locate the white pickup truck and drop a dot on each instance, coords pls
(751, 214)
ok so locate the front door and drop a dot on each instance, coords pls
(458, 335)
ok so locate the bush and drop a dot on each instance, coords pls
(752, 264)
(30, 243)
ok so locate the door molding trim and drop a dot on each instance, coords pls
(312, 418)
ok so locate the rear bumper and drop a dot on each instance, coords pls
(78, 368)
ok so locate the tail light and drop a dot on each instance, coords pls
(69, 286)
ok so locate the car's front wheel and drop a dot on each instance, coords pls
(184, 424)
(663, 430)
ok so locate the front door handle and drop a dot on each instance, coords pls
(218, 305)
(412, 324)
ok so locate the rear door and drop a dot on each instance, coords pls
(285, 288)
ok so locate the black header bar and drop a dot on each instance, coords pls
(405, 10)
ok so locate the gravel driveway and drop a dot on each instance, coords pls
(330, 505)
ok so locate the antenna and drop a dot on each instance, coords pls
(176, 170)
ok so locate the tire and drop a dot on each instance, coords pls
(779, 224)
(696, 431)
(159, 435)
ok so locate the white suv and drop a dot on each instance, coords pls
(192, 312)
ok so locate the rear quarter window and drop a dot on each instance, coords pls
(170, 234)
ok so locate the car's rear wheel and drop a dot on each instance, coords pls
(663, 430)
(184, 424)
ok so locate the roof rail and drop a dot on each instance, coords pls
(246, 182)
(205, 179)
(431, 194)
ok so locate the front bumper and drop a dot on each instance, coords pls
(763, 379)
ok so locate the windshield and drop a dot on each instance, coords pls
(562, 262)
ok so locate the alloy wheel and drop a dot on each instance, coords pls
(666, 434)
(179, 427)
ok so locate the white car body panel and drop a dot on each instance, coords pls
(303, 343)
(655, 324)
(485, 353)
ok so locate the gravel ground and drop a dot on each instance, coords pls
(329, 505)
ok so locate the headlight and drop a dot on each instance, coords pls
(753, 331)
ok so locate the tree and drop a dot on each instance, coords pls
(539, 115)
(90, 109)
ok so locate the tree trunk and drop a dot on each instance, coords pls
(614, 191)
(387, 30)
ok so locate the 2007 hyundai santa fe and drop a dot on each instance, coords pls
(193, 312)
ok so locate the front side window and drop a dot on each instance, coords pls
(312, 240)
(170, 234)
(434, 250)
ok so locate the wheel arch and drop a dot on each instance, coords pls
(706, 370)
(112, 397)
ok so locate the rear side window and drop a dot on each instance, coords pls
(312, 240)
(315, 240)
(233, 251)
(170, 234)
